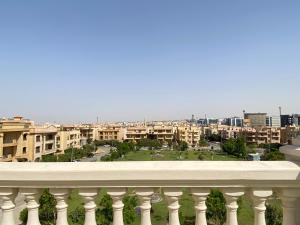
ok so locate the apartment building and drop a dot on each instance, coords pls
(263, 135)
(227, 132)
(111, 133)
(14, 139)
(88, 132)
(190, 134)
(42, 141)
(135, 133)
(161, 133)
(67, 137)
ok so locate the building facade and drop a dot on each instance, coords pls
(14, 140)
(255, 119)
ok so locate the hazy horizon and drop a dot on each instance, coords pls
(132, 60)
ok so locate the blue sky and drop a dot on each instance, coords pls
(71, 61)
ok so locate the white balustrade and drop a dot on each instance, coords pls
(234, 179)
(260, 195)
(8, 196)
(89, 195)
(117, 195)
(144, 195)
(173, 195)
(231, 196)
(61, 195)
(32, 196)
(200, 195)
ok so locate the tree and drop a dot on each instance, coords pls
(214, 137)
(183, 146)
(151, 143)
(49, 158)
(216, 210)
(203, 143)
(236, 147)
(274, 214)
(77, 216)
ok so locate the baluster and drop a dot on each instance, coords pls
(144, 195)
(173, 195)
(289, 199)
(200, 196)
(32, 196)
(117, 195)
(89, 195)
(231, 196)
(61, 196)
(8, 196)
(259, 199)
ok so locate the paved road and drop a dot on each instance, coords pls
(101, 152)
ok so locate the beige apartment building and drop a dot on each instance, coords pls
(14, 139)
(189, 134)
(88, 132)
(67, 137)
(135, 133)
(111, 133)
(258, 135)
(42, 141)
(162, 133)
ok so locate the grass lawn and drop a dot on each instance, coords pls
(165, 155)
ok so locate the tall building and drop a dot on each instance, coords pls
(286, 120)
(273, 121)
(296, 118)
(255, 119)
(234, 121)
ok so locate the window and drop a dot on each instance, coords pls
(24, 150)
(38, 149)
(24, 137)
(49, 137)
(38, 138)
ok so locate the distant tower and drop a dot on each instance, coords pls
(193, 118)
(279, 110)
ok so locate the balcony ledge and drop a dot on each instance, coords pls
(151, 174)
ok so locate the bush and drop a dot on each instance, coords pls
(200, 157)
(274, 214)
(216, 210)
(273, 156)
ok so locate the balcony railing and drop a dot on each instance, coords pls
(234, 179)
